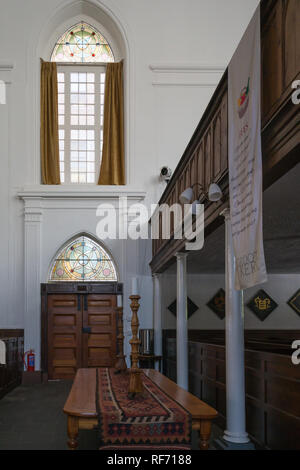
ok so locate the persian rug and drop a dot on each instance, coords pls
(151, 420)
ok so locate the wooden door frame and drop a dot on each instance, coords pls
(113, 288)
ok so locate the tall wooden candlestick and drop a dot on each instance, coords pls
(120, 363)
(135, 384)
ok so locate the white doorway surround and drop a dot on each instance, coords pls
(52, 216)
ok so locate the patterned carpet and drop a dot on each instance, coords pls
(150, 419)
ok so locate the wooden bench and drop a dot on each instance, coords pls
(81, 408)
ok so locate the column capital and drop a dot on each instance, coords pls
(33, 209)
(226, 213)
(181, 255)
(156, 275)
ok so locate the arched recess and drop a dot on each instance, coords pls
(83, 259)
(41, 44)
(82, 43)
(89, 13)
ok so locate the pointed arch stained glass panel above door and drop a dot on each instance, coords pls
(82, 43)
(83, 260)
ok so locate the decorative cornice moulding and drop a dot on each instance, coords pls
(6, 69)
(6, 66)
(186, 84)
(67, 192)
(187, 75)
(33, 210)
(187, 68)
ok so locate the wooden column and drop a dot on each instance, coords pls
(120, 363)
(135, 384)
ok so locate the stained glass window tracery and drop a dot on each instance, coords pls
(83, 260)
(82, 43)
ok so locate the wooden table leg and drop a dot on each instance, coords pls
(204, 434)
(72, 432)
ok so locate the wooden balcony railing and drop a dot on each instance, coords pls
(205, 159)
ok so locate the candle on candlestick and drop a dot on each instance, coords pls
(119, 301)
(135, 286)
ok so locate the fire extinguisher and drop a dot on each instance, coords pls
(29, 365)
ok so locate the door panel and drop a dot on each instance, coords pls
(95, 339)
(64, 335)
(99, 320)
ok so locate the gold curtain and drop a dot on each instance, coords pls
(112, 166)
(49, 124)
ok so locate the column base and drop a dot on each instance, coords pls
(222, 444)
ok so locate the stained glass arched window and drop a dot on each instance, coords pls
(84, 260)
(82, 43)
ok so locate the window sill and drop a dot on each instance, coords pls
(84, 191)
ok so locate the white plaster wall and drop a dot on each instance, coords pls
(202, 287)
(4, 198)
(187, 43)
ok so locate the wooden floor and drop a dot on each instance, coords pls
(31, 418)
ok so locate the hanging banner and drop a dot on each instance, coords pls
(245, 160)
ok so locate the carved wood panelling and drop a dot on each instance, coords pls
(207, 159)
(271, 381)
(291, 16)
(200, 156)
(272, 82)
(224, 135)
(280, 53)
(11, 372)
(217, 145)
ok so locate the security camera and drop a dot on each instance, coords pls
(165, 173)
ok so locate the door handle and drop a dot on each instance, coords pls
(86, 329)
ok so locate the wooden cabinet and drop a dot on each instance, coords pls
(80, 329)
